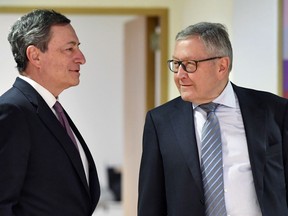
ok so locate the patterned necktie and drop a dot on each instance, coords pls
(211, 163)
(64, 122)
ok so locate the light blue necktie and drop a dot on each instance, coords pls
(211, 163)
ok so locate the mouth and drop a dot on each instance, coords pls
(77, 71)
(184, 85)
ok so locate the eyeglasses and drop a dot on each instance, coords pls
(189, 66)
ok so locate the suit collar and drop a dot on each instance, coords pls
(30, 93)
(183, 125)
(227, 97)
(48, 97)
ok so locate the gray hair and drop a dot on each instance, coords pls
(214, 36)
(33, 29)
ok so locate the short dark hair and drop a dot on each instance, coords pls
(214, 36)
(33, 29)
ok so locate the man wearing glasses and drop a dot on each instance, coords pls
(219, 149)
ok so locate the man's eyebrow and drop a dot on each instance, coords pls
(74, 43)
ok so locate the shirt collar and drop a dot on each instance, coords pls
(227, 97)
(45, 94)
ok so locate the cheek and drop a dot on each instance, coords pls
(56, 66)
(50, 65)
(176, 80)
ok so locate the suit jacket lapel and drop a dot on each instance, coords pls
(183, 124)
(254, 119)
(93, 176)
(56, 128)
(52, 123)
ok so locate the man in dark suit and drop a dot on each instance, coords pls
(43, 172)
(253, 143)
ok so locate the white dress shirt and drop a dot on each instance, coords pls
(51, 100)
(240, 194)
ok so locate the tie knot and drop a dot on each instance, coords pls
(57, 106)
(209, 107)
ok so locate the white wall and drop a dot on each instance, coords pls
(9, 71)
(255, 32)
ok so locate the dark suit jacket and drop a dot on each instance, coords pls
(170, 178)
(41, 171)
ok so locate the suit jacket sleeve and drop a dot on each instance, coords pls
(151, 180)
(14, 153)
(285, 150)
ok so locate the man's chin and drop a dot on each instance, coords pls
(75, 82)
(186, 97)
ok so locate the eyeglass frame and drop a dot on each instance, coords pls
(180, 63)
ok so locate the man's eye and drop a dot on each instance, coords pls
(190, 63)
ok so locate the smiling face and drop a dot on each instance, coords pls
(57, 68)
(210, 78)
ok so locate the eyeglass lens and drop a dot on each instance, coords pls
(188, 66)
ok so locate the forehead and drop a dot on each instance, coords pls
(191, 47)
(63, 34)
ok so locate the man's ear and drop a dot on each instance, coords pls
(32, 53)
(224, 63)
